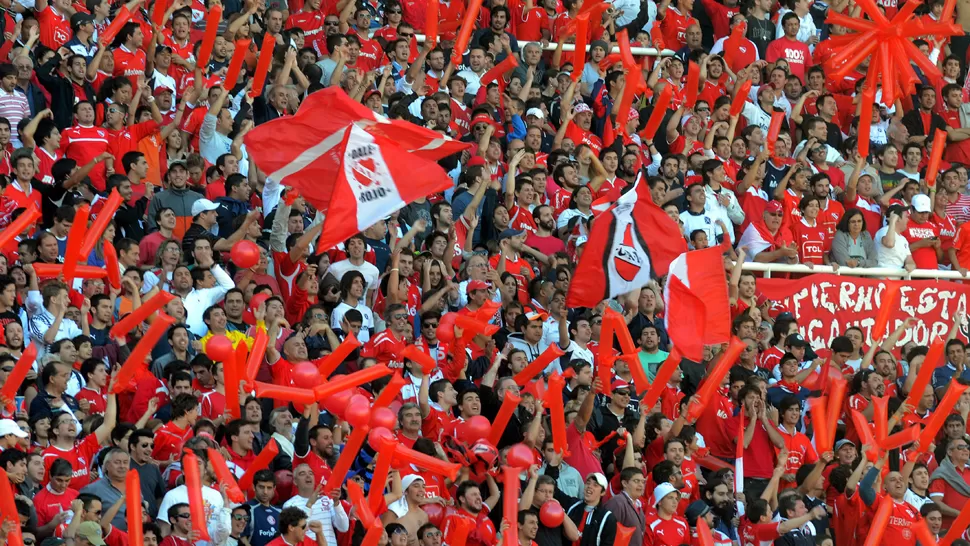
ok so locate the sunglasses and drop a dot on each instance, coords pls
(332, 23)
(406, 35)
(183, 516)
(398, 316)
(394, 12)
(431, 324)
(240, 517)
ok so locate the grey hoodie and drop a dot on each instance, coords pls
(179, 200)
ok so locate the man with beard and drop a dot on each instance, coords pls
(410, 418)
(234, 305)
(240, 435)
(699, 510)
(592, 515)
(473, 509)
(313, 444)
(264, 514)
(543, 239)
(720, 498)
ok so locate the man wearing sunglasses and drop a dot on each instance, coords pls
(293, 527)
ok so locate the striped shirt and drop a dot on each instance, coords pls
(14, 107)
(331, 515)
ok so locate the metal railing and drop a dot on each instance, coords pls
(878, 272)
(637, 51)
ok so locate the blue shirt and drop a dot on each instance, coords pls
(264, 523)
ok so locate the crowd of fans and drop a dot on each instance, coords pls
(80, 118)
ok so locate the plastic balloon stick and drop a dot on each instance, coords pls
(623, 535)
(879, 522)
(933, 358)
(136, 359)
(704, 536)
(262, 65)
(865, 123)
(499, 70)
(432, 464)
(390, 392)
(209, 38)
(133, 508)
(26, 219)
(193, 486)
(230, 378)
(465, 32)
(880, 416)
(225, 476)
(347, 457)
(356, 497)
(74, 237)
(737, 105)
(262, 461)
(510, 504)
(235, 65)
(939, 415)
(900, 439)
(774, 129)
(421, 358)
(283, 392)
(664, 374)
(256, 355)
(96, 231)
(556, 411)
(660, 105)
(381, 470)
(582, 40)
(630, 351)
(604, 362)
(473, 326)
(933, 167)
(8, 511)
(111, 265)
(834, 411)
(374, 532)
(923, 534)
(431, 23)
(16, 377)
(538, 365)
(48, 271)
(356, 379)
(337, 357)
(713, 381)
(505, 412)
(691, 87)
(960, 524)
(820, 424)
(158, 12)
(108, 36)
(136, 317)
(888, 75)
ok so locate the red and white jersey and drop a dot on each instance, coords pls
(666, 532)
(81, 458)
(757, 534)
(899, 532)
(45, 164)
(812, 240)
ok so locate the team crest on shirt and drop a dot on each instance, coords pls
(270, 520)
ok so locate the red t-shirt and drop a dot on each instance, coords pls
(483, 530)
(757, 534)
(925, 257)
(80, 458)
(941, 490)
(45, 164)
(55, 29)
(674, 27)
(169, 440)
(83, 144)
(48, 503)
(796, 53)
(666, 532)
(717, 432)
(97, 400)
(813, 241)
(320, 468)
(129, 64)
(759, 456)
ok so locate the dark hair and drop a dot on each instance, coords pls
(183, 404)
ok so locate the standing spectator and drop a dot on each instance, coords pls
(13, 105)
(892, 248)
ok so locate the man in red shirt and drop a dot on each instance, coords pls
(84, 142)
(386, 345)
(950, 500)
(129, 57)
(666, 528)
(923, 235)
(472, 512)
(55, 25)
(437, 401)
(319, 445)
(674, 22)
(53, 501)
(64, 444)
(787, 47)
(172, 435)
(240, 435)
(760, 440)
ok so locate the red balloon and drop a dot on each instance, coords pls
(520, 456)
(551, 514)
(219, 349)
(254, 303)
(446, 327)
(306, 375)
(358, 411)
(338, 403)
(436, 513)
(474, 429)
(380, 438)
(383, 417)
(244, 254)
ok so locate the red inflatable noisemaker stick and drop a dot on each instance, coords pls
(133, 508)
(431, 23)
(823, 435)
(347, 456)
(136, 359)
(538, 365)
(136, 317)
(834, 410)
(630, 352)
(663, 376)
(737, 105)
(235, 65)
(710, 385)
(704, 536)
(16, 378)
(378, 481)
(356, 379)
(96, 231)
(390, 392)
(121, 18)
(112, 266)
(75, 235)
(960, 524)
(8, 511)
(499, 70)
(693, 82)
(209, 39)
(582, 40)
(657, 115)
(880, 417)
(356, 497)
(557, 412)
(193, 486)
(337, 357)
(924, 536)
(48, 271)
(900, 439)
(26, 219)
(262, 461)
(505, 412)
(885, 310)
(423, 359)
(880, 521)
(256, 356)
(510, 504)
(158, 13)
(404, 454)
(465, 32)
(231, 379)
(865, 123)
(940, 414)
(623, 535)
(284, 392)
(933, 167)
(262, 65)
(933, 358)
(233, 492)
(605, 359)
(774, 129)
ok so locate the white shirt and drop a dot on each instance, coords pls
(331, 515)
(200, 299)
(368, 270)
(806, 28)
(218, 514)
(366, 326)
(41, 320)
(891, 257)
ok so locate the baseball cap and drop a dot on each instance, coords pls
(843, 442)
(161, 49)
(534, 112)
(897, 210)
(506, 233)
(581, 108)
(475, 285)
(8, 426)
(662, 491)
(634, 113)
(475, 161)
(79, 19)
(696, 509)
(795, 340)
(581, 240)
(91, 532)
(619, 384)
(921, 203)
(693, 180)
(536, 315)
(773, 207)
(481, 118)
(203, 205)
(162, 89)
(600, 480)
(406, 481)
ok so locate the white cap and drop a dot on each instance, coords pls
(581, 240)
(202, 205)
(8, 426)
(600, 479)
(534, 112)
(662, 491)
(406, 481)
(582, 107)
(921, 203)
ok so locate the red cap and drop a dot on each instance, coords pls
(774, 207)
(693, 180)
(619, 384)
(162, 89)
(475, 285)
(481, 118)
(477, 160)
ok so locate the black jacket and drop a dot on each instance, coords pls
(913, 122)
(600, 524)
(62, 92)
